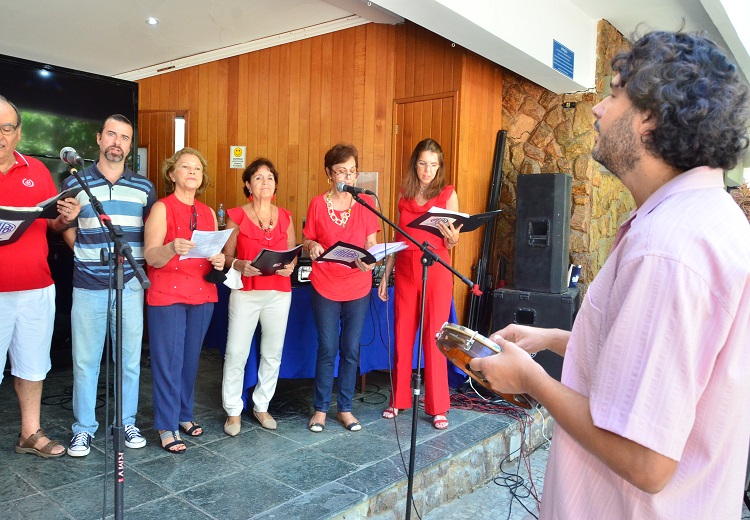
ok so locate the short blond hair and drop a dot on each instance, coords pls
(168, 167)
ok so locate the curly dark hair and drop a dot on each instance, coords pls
(696, 94)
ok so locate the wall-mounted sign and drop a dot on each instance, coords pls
(237, 157)
(563, 59)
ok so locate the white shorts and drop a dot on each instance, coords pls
(27, 320)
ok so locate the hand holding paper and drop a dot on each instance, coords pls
(207, 243)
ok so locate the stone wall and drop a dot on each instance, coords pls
(545, 137)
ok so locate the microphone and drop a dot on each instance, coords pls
(69, 156)
(342, 187)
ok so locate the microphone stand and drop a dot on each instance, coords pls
(429, 257)
(123, 251)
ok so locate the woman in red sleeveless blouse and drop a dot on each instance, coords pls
(424, 187)
(180, 301)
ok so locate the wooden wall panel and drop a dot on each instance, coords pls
(156, 133)
(289, 103)
(479, 121)
(292, 102)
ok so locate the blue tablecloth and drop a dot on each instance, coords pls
(301, 343)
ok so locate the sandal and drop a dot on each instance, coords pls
(191, 427)
(440, 422)
(390, 413)
(45, 452)
(176, 442)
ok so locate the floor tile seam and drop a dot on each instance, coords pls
(269, 477)
(176, 496)
(28, 482)
(312, 491)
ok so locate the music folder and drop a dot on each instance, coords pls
(269, 261)
(346, 254)
(14, 220)
(430, 220)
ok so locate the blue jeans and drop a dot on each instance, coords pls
(175, 335)
(328, 314)
(88, 318)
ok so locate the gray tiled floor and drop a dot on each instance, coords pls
(288, 473)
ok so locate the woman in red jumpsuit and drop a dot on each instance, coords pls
(424, 186)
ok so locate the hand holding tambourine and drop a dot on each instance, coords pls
(460, 345)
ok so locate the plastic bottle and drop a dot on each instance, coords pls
(221, 215)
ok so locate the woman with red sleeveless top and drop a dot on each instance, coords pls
(340, 294)
(423, 187)
(180, 301)
(257, 225)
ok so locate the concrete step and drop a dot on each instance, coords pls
(452, 465)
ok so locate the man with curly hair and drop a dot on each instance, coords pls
(651, 411)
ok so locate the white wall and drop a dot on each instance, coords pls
(516, 35)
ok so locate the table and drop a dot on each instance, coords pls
(300, 343)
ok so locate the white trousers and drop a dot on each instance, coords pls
(246, 309)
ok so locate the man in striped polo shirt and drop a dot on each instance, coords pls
(127, 198)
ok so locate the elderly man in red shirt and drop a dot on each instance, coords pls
(27, 292)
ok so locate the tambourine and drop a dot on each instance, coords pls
(460, 345)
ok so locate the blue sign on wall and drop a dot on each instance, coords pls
(563, 59)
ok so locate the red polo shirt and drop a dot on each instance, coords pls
(23, 263)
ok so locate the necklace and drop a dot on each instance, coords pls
(331, 213)
(266, 230)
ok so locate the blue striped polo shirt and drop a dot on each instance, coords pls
(127, 202)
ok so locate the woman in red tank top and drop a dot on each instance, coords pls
(180, 301)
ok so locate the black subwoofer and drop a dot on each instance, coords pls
(546, 310)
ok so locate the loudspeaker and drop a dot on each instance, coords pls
(546, 310)
(543, 203)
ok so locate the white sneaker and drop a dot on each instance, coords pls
(80, 445)
(133, 437)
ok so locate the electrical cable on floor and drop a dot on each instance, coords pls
(514, 482)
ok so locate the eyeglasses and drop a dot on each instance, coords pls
(424, 165)
(8, 128)
(194, 219)
(343, 174)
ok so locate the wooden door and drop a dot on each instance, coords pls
(156, 133)
(416, 119)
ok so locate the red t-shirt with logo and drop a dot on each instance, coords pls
(23, 263)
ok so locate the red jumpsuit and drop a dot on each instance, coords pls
(407, 302)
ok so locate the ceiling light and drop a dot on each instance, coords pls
(152, 21)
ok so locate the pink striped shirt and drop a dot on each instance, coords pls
(661, 347)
